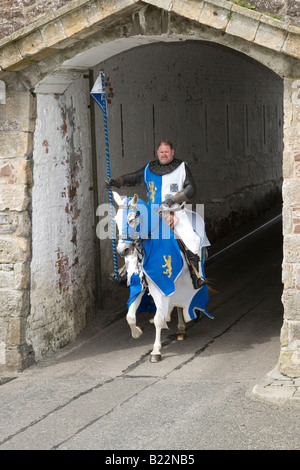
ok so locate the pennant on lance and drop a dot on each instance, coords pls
(98, 94)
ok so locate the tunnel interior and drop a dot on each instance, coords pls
(223, 112)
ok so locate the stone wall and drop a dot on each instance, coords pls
(17, 125)
(289, 361)
(16, 14)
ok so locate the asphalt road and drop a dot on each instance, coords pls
(102, 393)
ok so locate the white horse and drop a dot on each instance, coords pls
(156, 267)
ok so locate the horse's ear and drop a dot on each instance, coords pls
(117, 198)
(134, 200)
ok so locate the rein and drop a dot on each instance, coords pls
(135, 238)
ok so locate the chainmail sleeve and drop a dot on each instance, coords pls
(134, 179)
(189, 186)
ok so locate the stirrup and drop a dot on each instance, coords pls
(200, 282)
(197, 280)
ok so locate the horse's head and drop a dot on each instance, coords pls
(128, 222)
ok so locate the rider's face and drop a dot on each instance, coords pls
(165, 154)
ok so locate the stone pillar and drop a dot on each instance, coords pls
(17, 117)
(289, 361)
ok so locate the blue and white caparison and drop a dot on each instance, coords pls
(157, 273)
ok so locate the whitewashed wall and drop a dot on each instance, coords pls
(62, 268)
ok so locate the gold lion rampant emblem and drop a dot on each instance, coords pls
(152, 191)
(167, 265)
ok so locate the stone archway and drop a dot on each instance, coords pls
(55, 47)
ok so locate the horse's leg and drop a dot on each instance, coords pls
(136, 331)
(155, 355)
(181, 335)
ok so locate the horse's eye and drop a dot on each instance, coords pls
(132, 219)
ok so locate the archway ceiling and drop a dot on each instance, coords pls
(86, 32)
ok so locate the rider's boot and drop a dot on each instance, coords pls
(193, 264)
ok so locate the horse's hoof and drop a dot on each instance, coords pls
(181, 336)
(138, 332)
(155, 358)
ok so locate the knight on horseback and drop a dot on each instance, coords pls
(170, 184)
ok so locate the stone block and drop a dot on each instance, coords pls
(292, 45)
(165, 4)
(53, 33)
(16, 332)
(2, 350)
(21, 276)
(289, 362)
(291, 302)
(15, 144)
(14, 303)
(287, 164)
(297, 277)
(23, 224)
(291, 248)
(31, 44)
(269, 36)
(287, 275)
(284, 340)
(246, 12)
(24, 245)
(9, 55)
(287, 220)
(214, 15)
(243, 23)
(13, 359)
(74, 22)
(15, 172)
(189, 10)
(9, 251)
(296, 219)
(291, 191)
(294, 334)
(23, 172)
(16, 115)
(6, 278)
(14, 197)
(278, 24)
(274, 393)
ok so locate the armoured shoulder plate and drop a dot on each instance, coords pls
(158, 169)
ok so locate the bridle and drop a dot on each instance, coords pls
(134, 239)
(134, 225)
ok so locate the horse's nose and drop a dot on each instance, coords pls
(123, 250)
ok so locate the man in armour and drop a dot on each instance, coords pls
(169, 182)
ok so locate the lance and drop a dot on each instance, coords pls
(99, 96)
